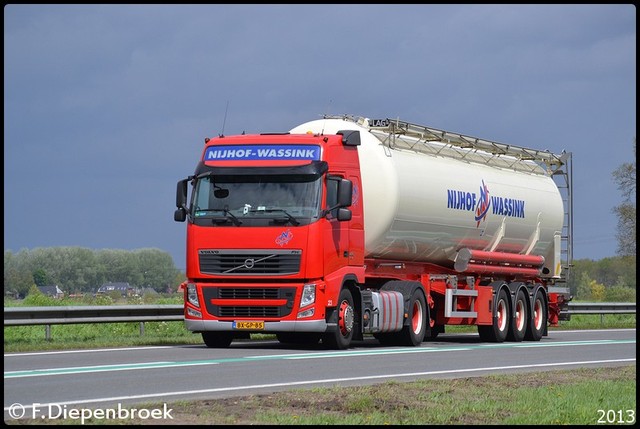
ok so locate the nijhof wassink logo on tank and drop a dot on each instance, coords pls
(483, 203)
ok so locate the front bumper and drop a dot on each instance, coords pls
(284, 326)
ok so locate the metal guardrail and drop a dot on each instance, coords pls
(602, 308)
(20, 316)
(24, 316)
(47, 316)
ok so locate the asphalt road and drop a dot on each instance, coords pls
(41, 383)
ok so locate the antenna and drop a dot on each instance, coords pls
(325, 117)
(225, 118)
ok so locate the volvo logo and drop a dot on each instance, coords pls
(249, 263)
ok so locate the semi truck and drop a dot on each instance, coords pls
(347, 228)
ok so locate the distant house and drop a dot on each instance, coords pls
(149, 291)
(53, 291)
(124, 288)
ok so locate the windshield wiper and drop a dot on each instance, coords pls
(290, 218)
(226, 212)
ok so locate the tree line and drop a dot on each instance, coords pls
(609, 279)
(78, 270)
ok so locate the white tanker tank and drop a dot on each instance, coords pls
(437, 197)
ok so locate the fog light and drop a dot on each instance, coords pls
(193, 313)
(306, 313)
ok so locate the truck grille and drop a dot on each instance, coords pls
(248, 293)
(249, 312)
(249, 262)
(232, 293)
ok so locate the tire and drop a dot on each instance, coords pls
(217, 340)
(519, 323)
(413, 333)
(497, 332)
(341, 338)
(538, 319)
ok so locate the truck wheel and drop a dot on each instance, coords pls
(413, 333)
(497, 332)
(217, 339)
(537, 323)
(341, 338)
(519, 322)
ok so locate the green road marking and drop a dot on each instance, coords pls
(321, 355)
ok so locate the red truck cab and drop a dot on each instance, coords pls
(274, 229)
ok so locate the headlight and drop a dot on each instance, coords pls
(192, 294)
(308, 295)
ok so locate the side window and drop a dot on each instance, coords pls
(200, 195)
(332, 194)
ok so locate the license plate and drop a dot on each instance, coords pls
(250, 325)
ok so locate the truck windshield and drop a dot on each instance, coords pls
(256, 200)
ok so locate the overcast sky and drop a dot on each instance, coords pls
(106, 107)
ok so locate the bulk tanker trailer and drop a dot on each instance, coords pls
(346, 226)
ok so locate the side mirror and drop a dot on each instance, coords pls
(181, 201)
(345, 193)
(180, 215)
(181, 193)
(344, 214)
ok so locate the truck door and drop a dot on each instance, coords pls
(356, 224)
(336, 233)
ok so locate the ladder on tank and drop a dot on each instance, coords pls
(398, 134)
(563, 177)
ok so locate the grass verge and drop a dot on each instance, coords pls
(586, 396)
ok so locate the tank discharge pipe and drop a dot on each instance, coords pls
(483, 262)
